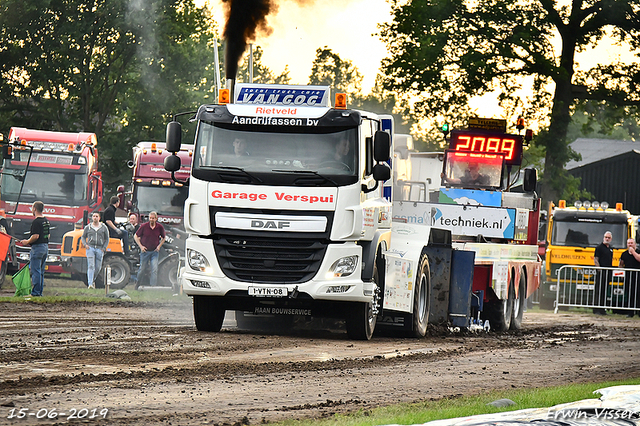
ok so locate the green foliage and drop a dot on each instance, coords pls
(111, 67)
(342, 76)
(599, 120)
(443, 52)
(448, 408)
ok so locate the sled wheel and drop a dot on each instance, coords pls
(499, 312)
(519, 304)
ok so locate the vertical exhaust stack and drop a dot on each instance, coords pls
(230, 84)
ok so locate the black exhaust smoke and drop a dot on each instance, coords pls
(245, 18)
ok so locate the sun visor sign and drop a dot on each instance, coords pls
(280, 95)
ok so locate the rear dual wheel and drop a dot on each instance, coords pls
(421, 298)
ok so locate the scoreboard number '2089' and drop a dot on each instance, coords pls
(488, 142)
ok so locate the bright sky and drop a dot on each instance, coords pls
(348, 28)
(345, 26)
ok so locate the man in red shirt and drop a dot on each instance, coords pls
(150, 237)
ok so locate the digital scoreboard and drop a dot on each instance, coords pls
(487, 142)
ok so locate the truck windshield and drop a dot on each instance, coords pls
(166, 201)
(54, 186)
(325, 152)
(588, 234)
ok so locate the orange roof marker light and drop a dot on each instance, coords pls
(224, 96)
(562, 204)
(154, 147)
(341, 101)
(618, 207)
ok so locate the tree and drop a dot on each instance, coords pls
(447, 51)
(340, 75)
(113, 67)
(329, 69)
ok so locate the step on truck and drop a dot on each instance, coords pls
(62, 173)
(287, 215)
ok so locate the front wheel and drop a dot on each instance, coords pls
(208, 313)
(361, 320)
(120, 273)
(421, 297)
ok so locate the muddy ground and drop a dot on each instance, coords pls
(146, 364)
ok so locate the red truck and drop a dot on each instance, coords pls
(153, 189)
(62, 173)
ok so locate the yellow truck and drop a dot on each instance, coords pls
(573, 233)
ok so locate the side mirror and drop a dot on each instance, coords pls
(530, 180)
(381, 172)
(120, 189)
(172, 163)
(174, 137)
(381, 146)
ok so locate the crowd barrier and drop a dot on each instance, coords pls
(598, 288)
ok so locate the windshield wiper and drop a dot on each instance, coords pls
(307, 172)
(237, 169)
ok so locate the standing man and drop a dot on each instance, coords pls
(150, 237)
(109, 218)
(39, 242)
(95, 238)
(603, 257)
(630, 259)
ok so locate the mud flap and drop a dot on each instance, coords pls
(440, 264)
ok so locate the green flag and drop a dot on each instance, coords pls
(22, 281)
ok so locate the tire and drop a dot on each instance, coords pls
(3, 272)
(120, 273)
(499, 312)
(168, 273)
(361, 320)
(207, 313)
(421, 298)
(519, 304)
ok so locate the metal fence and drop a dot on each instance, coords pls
(598, 288)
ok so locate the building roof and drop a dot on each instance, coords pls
(593, 150)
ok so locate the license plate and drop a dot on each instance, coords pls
(584, 286)
(268, 291)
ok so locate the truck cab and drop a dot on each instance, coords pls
(285, 212)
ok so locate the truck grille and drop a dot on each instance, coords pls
(269, 260)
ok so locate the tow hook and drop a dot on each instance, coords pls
(294, 293)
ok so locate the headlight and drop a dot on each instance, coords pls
(197, 261)
(343, 267)
(53, 258)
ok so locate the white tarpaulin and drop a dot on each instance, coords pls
(618, 405)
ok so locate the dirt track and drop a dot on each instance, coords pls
(148, 365)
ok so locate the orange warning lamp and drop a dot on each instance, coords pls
(562, 204)
(223, 96)
(341, 101)
(618, 207)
